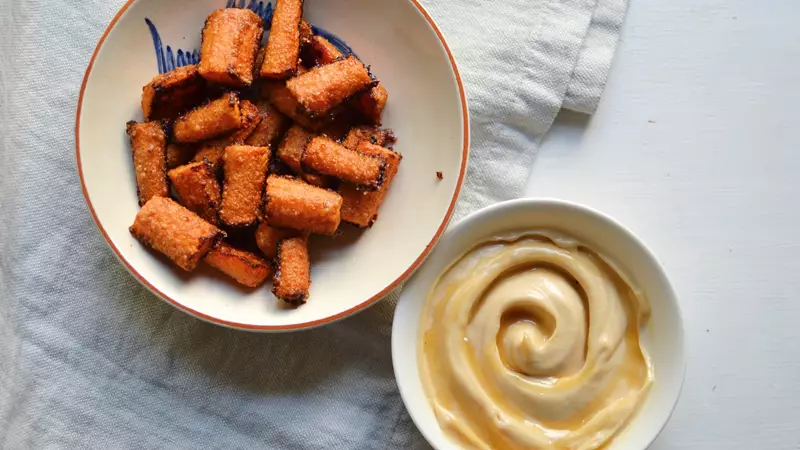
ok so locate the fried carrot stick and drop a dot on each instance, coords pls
(197, 189)
(327, 157)
(251, 118)
(210, 120)
(169, 94)
(290, 151)
(292, 279)
(244, 267)
(267, 238)
(326, 86)
(370, 104)
(283, 43)
(166, 226)
(245, 171)
(148, 145)
(359, 207)
(291, 203)
(370, 134)
(229, 45)
(179, 154)
(271, 127)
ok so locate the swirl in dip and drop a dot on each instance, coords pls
(532, 342)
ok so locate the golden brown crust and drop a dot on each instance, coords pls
(179, 154)
(211, 153)
(292, 279)
(291, 148)
(197, 189)
(245, 267)
(267, 238)
(327, 157)
(283, 43)
(251, 118)
(230, 41)
(245, 171)
(321, 51)
(369, 134)
(290, 151)
(169, 94)
(149, 147)
(173, 230)
(318, 180)
(272, 126)
(208, 121)
(283, 100)
(359, 207)
(291, 203)
(370, 104)
(306, 33)
(324, 87)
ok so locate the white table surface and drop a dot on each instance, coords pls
(695, 147)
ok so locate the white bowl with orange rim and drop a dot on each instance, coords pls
(426, 110)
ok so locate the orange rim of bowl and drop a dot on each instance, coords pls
(302, 325)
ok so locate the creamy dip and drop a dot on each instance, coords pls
(532, 342)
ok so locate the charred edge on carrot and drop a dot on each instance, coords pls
(294, 300)
(362, 187)
(331, 114)
(248, 261)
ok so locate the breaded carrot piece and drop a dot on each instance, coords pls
(290, 151)
(197, 189)
(210, 120)
(173, 230)
(230, 41)
(267, 238)
(245, 171)
(322, 88)
(251, 118)
(306, 33)
(271, 127)
(213, 149)
(169, 94)
(291, 203)
(339, 125)
(327, 157)
(149, 146)
(370, 104)
(359, 207)
(292, 279)
(211, 153)
(370, 134)
(283, 100)
(291, 148)
(245, 267)
(321, 51)
(283, 43)
(318, 180)
(179, 154)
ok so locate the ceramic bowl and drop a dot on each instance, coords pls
(426, 109)
(662, 337)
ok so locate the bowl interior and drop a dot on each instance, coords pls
(662, 338)
(425, 109)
